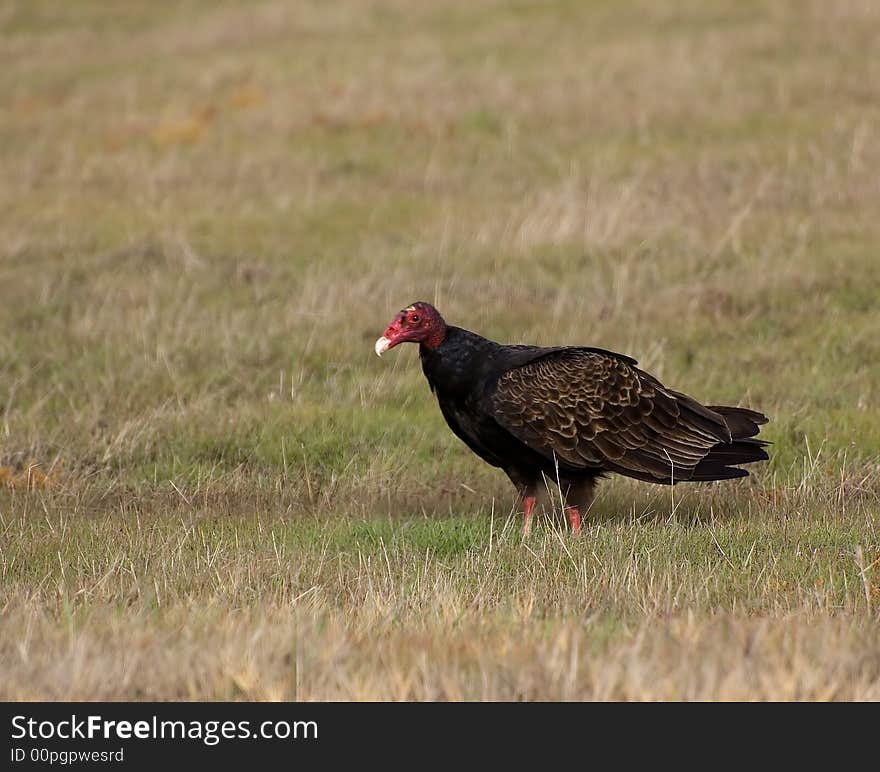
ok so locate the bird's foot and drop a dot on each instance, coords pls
(529, 507)
(574, 517)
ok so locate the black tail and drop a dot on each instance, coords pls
(741, 421)
(721, 463)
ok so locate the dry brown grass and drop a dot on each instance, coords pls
(274, 655)
(191, 603)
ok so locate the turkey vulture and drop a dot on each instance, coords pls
(572, 413)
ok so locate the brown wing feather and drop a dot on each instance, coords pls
(591, 409)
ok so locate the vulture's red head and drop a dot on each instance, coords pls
(418, 323)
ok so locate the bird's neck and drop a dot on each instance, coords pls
(436, 338)
(458, 363)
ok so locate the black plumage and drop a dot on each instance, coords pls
(573, 413)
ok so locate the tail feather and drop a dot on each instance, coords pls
(741, 421)
(717, 471)
(721, 462)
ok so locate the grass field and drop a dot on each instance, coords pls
(210, 488)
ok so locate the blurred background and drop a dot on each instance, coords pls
(210, 210)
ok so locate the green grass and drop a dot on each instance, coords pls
(211, 488)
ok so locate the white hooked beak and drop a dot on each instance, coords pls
(382, 345)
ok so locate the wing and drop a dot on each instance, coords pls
(593, 409)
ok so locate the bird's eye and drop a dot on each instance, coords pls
(414, 318)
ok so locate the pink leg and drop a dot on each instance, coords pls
(578, 500)
(529, 507)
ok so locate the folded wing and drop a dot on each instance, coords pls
(592, 409)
